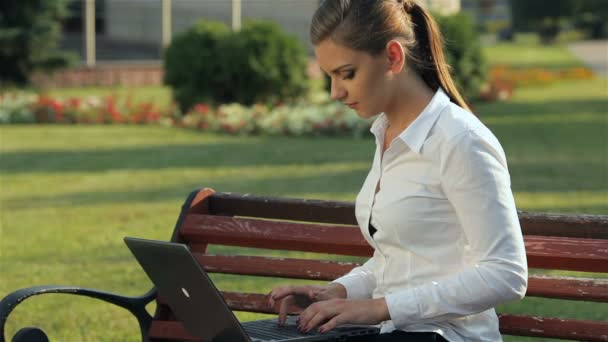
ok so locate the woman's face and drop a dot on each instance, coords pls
(357, 78)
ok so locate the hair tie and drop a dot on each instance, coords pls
(408, 5)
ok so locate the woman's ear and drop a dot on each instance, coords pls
(396, 56)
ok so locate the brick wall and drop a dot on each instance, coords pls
(118, 74)
(102, 75)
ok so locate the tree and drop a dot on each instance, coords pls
(545, 17)
(29, 33)
(463, 52)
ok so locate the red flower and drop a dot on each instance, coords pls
(202, 108)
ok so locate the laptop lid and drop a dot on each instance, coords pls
(193, 298)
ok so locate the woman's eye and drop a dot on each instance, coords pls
(349, 75)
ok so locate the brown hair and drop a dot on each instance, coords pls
(367, 25)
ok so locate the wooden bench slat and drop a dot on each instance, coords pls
(169, 330)
(575, 254)
(560, 253)
(345, 240)
(569, 329)
(564, 225)
(240, 301)
(594, 290)
(275, 267)
(509, 324)
(231, 204)
(541, 224)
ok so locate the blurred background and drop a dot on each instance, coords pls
(112, 111)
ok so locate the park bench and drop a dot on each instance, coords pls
(553, 242)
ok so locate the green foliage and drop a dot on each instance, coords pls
(463, 52)
(193, 67)
(29, 32)
(211, 64)
(548, 21)
(276, 65)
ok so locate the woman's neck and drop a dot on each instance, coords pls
(411, 96)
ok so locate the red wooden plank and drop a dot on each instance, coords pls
(559, 253)
(242, 301)
(595, 290)
(568, 329)
(275, 267)
(250, 302)
(592, 290)
(564, 225)
(232, 204)
(345, 240)
(574, 254)
(169, 330)
(542, 224)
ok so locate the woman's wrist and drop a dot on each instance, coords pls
(339, 289)
(381, 309)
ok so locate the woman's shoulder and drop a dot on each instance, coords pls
(454, 122)
(457, 128)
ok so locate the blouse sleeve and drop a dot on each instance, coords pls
(360, 282)
(476, 181)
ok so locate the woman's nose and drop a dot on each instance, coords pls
(337, 92)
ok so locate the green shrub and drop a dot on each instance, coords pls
(211, 64)
(194, 68)
(463, 53)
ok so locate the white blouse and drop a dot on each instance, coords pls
(448, 246)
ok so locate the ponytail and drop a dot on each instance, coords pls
(428, 56)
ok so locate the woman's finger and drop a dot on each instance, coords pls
(304, 294)
(331, 324)
(286, 303)
(321, 316)
(308, 314)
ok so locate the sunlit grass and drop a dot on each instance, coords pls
(529, 54)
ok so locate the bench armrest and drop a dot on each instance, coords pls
(135, 305)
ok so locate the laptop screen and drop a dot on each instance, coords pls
(183, 283)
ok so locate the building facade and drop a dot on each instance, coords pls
(132, 28)
(138, 20)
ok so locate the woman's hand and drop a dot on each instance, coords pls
(298, 298)
(331, 313)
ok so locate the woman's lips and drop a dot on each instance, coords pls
(353, 105)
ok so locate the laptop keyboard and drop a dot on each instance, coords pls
(271, 330)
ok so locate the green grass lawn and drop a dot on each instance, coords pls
(528, 53)
(70, 193)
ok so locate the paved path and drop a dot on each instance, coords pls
(594, 54)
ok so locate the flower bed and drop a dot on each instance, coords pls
(21, 107)
(320, 117)
(539, 76)
(503, 79)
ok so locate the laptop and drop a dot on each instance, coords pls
(198, 304)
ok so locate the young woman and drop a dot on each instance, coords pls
(436, 205)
